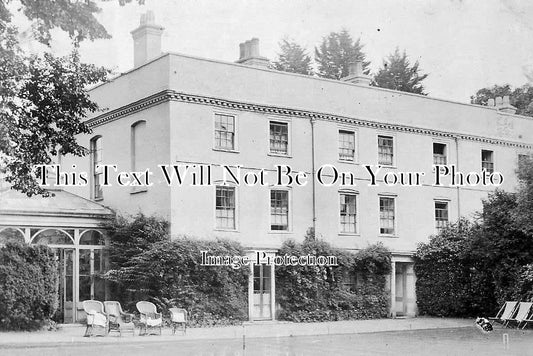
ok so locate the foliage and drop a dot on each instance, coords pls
(148, 266)
(335, 54)
(293, 58)
(29, 281)
(521, 97)
(397, 73)
(523, 214)
(524, 288)
(469, 269)
(444, 286)
(310, 293)
(129, 238)
(43, 98)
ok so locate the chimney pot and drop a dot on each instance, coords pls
(146, 39)
(505, 105)
(356, 75)
(499, 101)
(249, 54)
(490, 102)
(241, 50)
(254, 47)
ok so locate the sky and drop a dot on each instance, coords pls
(463, 45)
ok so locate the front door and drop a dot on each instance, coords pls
(400, 289)
(262, 302)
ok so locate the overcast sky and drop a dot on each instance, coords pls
(463, 45)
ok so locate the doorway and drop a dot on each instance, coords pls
(405, 292)
(66, 257)
(262, 292)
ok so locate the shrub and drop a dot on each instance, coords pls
(469, 269)
(445, 284)
(29, 284)
(309, 293)
(169, 273)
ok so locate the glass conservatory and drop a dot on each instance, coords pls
(71, 226)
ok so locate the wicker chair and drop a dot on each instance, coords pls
(97, 320)
(178, 318)
(150, 318)
(119, 321)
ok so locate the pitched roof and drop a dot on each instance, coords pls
(62, 203)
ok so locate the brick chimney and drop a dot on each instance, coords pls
(146, 39)
(502, 104)
(249, 54)
(356, 75)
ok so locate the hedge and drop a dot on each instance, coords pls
(169, 273)
(29, 281)
(470, 268)
(312, 294)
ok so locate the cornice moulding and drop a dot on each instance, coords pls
(171, 95)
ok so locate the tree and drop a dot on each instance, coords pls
(521, 97)
(397, 73)
(524, 207)
(293, 58)
(43, 98)
(335, 54)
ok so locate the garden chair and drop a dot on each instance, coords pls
(119, 320)
(178, 318)
(505, 313)
(97, 320)
(150, 318)
(522, 312)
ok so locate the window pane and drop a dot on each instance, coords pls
(224, 131)
(385, 150)
(225, 207)
(348, 213)
(439, 153)
(487, 160)
(386, 215)
(346, 145)
(96, 158)
(441, 214)
(279, 137)
(279, 210)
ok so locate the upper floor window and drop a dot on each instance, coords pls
(487, 160)
(386, 150)
(225, 207)
(439, 154)
(96, 169)
(279, 137)
(346, 145)
(441, 214)
(348, 213)
(225, 131)
(386, 215)
(279, 210)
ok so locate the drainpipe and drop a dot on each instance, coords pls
(313, 120)
(458, 170)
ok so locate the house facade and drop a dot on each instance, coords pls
(367, 153)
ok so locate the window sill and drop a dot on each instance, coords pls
(279, 155)
(388, 236)
(225, 150)
(98, 199)
(387, 166)
(225, 230)
(283, 232)
(356, 234)
(137, 190)
(347, 161)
